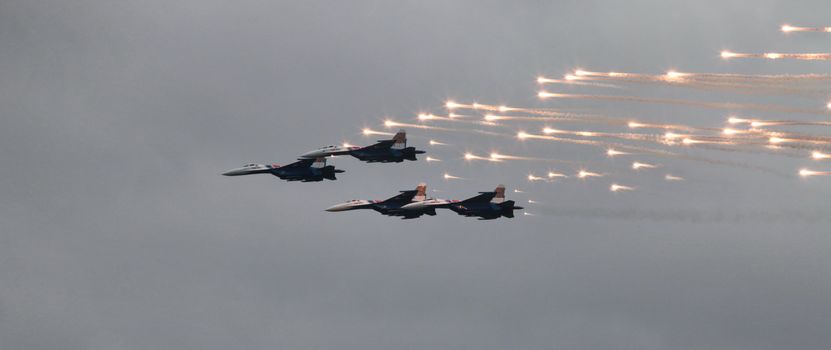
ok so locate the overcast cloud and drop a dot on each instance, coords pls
(117, 231)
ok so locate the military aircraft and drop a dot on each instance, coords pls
(393, 206)
(305, 170)
(487, 205)
(384, 151)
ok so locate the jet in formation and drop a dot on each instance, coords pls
(394, 150)
(304, 169)
(414, 203)
(393, 206)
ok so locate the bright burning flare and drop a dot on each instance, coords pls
(670, 177)
(546, 94)
(552, 175)
(806, 173)
(734, 120)
(728, 54)
(638, 165)
(819, 155)
(431, 159)
(368, 132)
(618, 188)
(673, 75)
(531, 177)
(584, 174)
(613, 152)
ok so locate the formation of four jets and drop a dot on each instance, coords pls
(311, 167)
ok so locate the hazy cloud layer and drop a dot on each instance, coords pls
(119, 233)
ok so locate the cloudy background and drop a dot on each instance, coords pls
(117, 232)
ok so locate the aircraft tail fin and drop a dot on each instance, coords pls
(508, 208)
(399, 140)
(421, 192)
(329, 172)
(500, 194)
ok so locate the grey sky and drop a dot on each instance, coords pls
(117, 232)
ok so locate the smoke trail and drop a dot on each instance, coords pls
(714, 105)
(368, 132)
(687, 215)
(714, 82)
(788, 28)
(777, 55)
(543, 80)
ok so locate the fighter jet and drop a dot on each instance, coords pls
(305, 170)
(393, 206)
(385, 151)
(487, 205)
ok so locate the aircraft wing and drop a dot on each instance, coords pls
(404, 196)
(398, 141)
(381, 144)
(483, 197)
(300, 163)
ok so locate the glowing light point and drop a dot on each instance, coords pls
(786, 28)
(775, 140)
(545, 94)
(727, 54)
(730, 132)
(613, 152)
(522, 135)
(618, 188)
(451, 105)
(773, 55)
(431, 159)
(638, 165)
(819, 155)
(670, 177)
(635, 125)
(734, 120)
(673, 75)
(671, 136)
(552, 175)
(806, 173)
(584, 174)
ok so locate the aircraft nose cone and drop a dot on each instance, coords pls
(336, 207)
(312, 154)
(234, 172)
